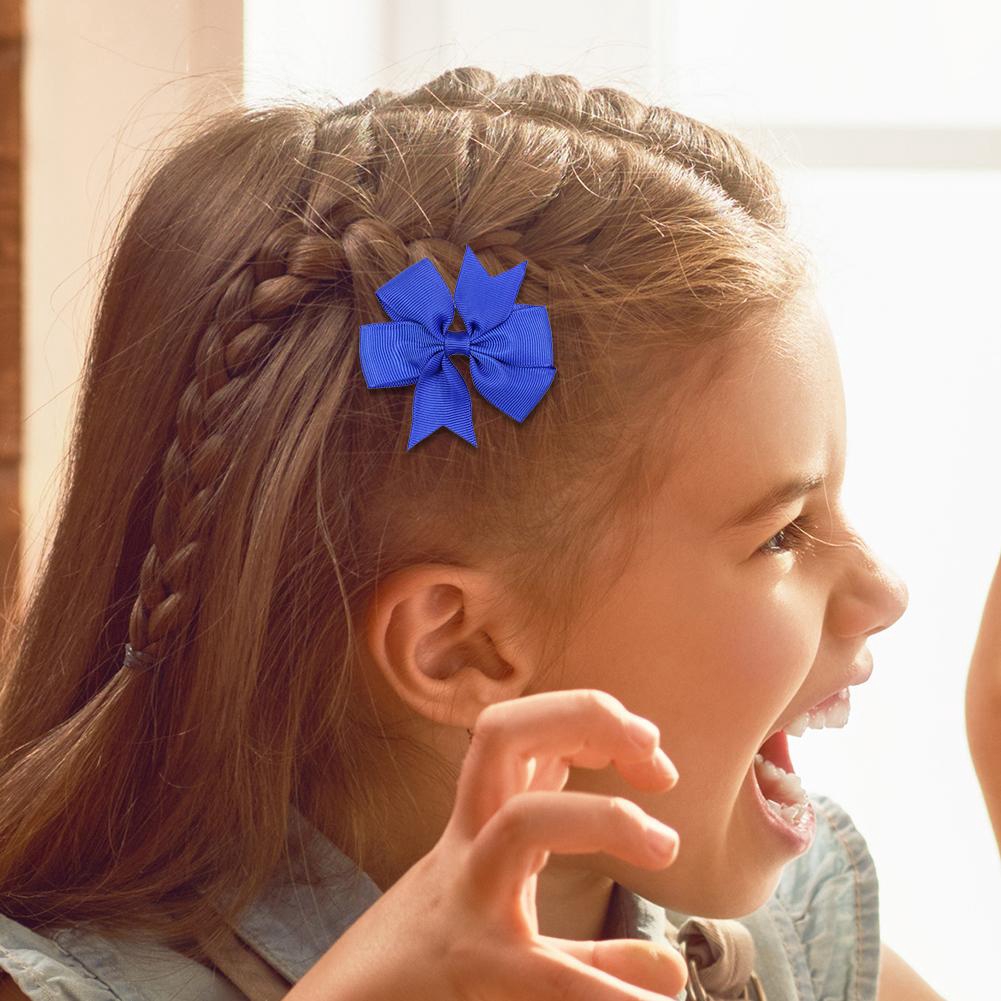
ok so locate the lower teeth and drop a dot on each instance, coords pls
(791, 813)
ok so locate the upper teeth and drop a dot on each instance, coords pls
(835, 715)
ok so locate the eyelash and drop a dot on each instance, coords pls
(799, 537)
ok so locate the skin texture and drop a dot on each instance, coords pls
(715, 636)
(983, 704)
(898, 982)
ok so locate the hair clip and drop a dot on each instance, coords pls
(509, 345)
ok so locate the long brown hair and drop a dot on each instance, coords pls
(235, 491)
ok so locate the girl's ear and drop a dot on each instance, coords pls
(441, 640)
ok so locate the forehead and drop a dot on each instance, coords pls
(774, 410)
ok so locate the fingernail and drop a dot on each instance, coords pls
(666, 764)
(661, 838)
(643, 733)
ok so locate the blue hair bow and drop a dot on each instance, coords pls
(509, 345)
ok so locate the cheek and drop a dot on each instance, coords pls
(700, 648)
(739, 649)
(770, 643)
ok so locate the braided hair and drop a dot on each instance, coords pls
(236, 492)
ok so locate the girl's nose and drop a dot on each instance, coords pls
(870, 598)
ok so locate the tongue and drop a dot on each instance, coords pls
(776, 750)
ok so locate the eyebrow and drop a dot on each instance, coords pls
(777, 497)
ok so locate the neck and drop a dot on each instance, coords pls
(572, 902)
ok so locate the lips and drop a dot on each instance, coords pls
(859, 674)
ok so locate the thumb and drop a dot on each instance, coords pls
(651, 965)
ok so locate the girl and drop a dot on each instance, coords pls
(270, 791)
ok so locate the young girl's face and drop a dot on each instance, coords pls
(721, 633)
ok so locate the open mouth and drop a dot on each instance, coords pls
(777, 780)
(780, 786)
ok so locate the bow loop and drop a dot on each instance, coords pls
(523, 341)
(484, 301)
(509, 344)
(419, 294)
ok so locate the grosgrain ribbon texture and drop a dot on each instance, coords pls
(509, 345)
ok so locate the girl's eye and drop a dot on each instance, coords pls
(791, 538)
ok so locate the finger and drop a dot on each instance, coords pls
(551, 774)
(587, 727)
(650, 965)
(561, 976)
(516, 842)
(655, 773)
(554, 974)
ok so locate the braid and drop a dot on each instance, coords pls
(253, 305)
(562, 100)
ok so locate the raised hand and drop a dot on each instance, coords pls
(461, 924)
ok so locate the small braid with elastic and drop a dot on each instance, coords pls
(251, 307)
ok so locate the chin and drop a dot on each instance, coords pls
(735, 902)
(726, 897)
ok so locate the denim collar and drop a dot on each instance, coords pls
(292, 924)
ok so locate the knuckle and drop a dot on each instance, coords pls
(598, 700)
(491, 719)
(514, 821)
(623, 810)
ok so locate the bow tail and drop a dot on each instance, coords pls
(441, 400)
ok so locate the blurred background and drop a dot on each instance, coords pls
(883, 120)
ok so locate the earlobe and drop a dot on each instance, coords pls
(435, 635)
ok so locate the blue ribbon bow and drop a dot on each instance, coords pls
(509, 345)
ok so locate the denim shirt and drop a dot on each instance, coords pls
(816, 939)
